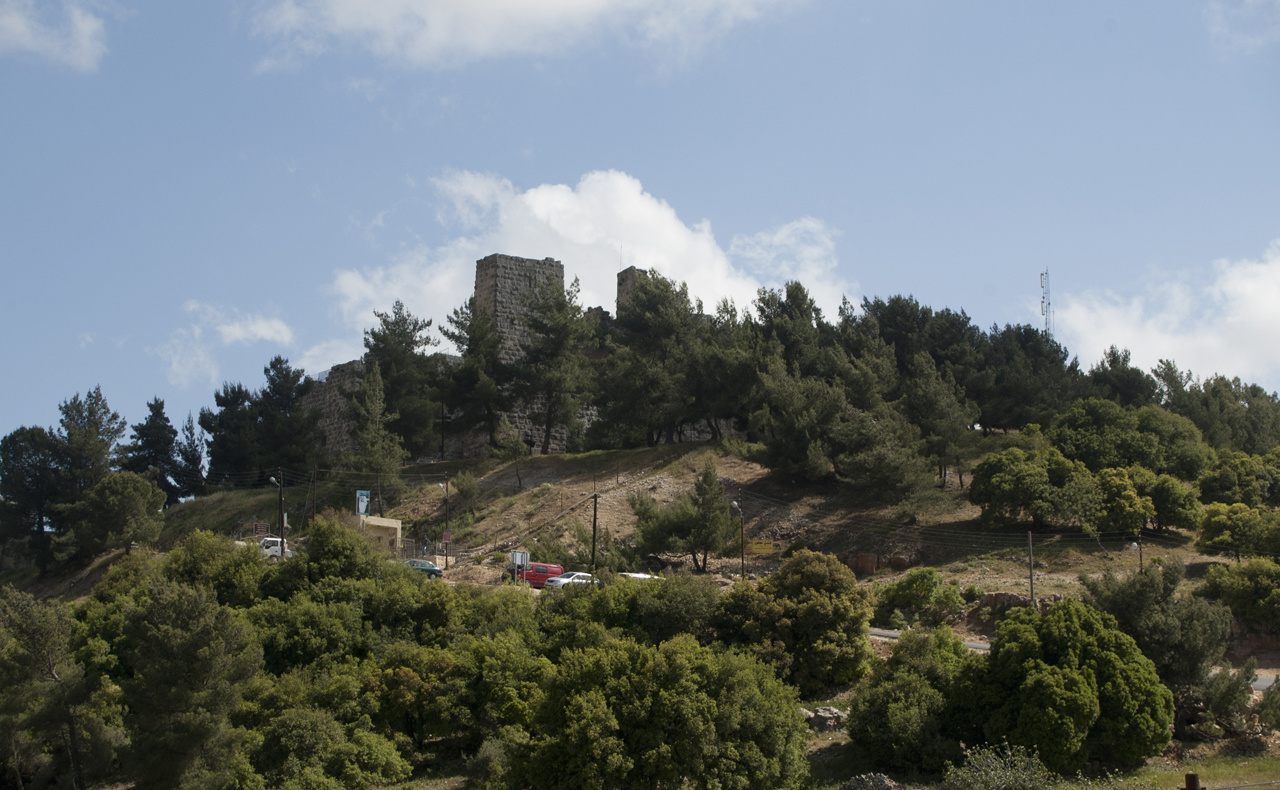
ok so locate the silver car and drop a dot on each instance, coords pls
(572, 577)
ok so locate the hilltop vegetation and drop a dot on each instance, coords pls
(898, 432)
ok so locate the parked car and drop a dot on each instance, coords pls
(572, 577)
(270, 548)
(426, 566)
(640, 576)
(535, 573)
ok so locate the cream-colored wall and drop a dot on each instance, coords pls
(382, 532)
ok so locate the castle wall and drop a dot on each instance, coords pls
(331, 397)
(627, 286)
(504, 285)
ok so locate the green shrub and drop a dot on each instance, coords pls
(1000, 768)
(921, 596)
(809, 620)
(1069, 685)
(1184, 636)
(1226, 695)
(898, 713)
(1268, 708)
(676, 715)
(1252, 590)
(467, 488)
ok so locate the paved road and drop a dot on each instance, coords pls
(1264, 681)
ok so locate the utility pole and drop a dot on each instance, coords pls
(595, 516)
(742, 543)
(1031, 570)
(279, 481)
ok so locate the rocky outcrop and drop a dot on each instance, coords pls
(1002, 601)
(870, 782)
(825, 719)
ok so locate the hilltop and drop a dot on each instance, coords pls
(548, 502)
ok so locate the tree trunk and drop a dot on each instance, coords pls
(714, 428)
(73, 752)
(17, 762)
(546, 436)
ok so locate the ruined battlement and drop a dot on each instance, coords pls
(504, 286)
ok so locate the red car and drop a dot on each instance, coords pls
(535, 573)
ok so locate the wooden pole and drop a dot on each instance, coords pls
(595, 515)
(1031, 570)
(280, 487)
(1193, 781)
(742, 532)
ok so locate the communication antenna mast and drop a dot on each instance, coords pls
(1046, 307)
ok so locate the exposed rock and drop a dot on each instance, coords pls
(825, 719)
(1000, 601)
(870, 782)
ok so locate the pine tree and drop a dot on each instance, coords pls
(397, 347)
(151, 450)
(480, 386)
(189, 468)
(87, 441)
(553, 376)
(379, 451)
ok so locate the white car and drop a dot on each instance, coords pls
(572, 577)
(270, 548)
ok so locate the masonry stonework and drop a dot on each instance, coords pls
(331, 397)
(504, 286)
(627, 286)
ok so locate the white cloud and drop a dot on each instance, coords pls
(1226, 325)
(190, 353)
(322, 356)
(803, 250)
(601, 225)
(1244, 26)
(441, 33)
(252, 329)
(189, 358)
(77, 39)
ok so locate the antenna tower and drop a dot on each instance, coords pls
(1046, 307)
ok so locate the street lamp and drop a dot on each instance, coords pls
(280, 488)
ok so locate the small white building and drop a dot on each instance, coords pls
(384, 533)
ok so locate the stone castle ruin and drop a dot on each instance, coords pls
(504, 285)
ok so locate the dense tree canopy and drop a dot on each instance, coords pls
(410, 376)
(152, 450)
(1071, 685)
(553, 377)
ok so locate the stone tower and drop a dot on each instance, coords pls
(627, 286)
(504, 283)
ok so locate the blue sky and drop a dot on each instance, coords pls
(188, 189)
